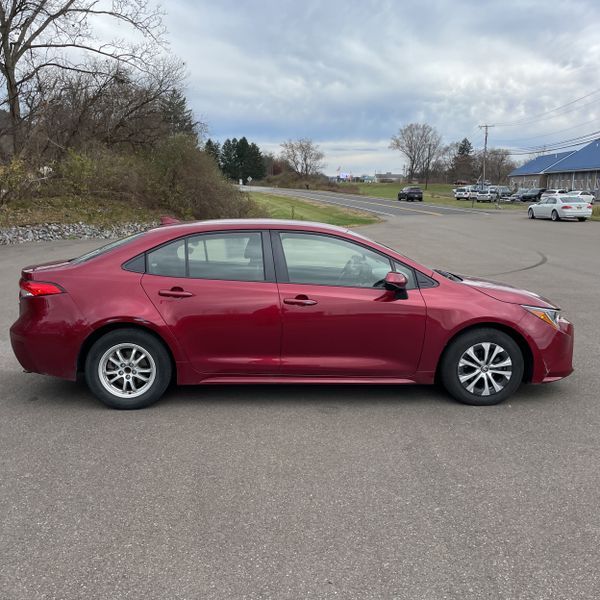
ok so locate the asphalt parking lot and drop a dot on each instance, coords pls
(316, 492)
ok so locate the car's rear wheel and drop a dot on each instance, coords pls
(530, 213)
(482, 367)
(554, 216)
(128, 369)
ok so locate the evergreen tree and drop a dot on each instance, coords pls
(256, 163)
(177, 115)
(229, 164)
(239, 159)
(213, 149)
(465, 148)
(242, 153)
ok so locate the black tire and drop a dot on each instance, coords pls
(449, 366)
(582, 219)
(531, 214)
(554, 216)
(157, 360)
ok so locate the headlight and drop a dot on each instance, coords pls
(549, 315)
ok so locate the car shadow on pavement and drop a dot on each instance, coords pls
(52, 392)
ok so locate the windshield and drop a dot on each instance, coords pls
(105, 249)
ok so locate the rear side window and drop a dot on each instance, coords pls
(225, 256)
(231, 256)
(168, 260)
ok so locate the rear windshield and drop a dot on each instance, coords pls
(105, 249)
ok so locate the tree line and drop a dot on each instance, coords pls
(429, 159)
(239, 159)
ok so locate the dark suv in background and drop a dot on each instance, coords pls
(532, 195)
(410, 194)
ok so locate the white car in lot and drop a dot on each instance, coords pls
(462, 193)
(560, 207)
(583, 195)
(554, 193)
(486, 196)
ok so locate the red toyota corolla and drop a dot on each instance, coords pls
(265, 301)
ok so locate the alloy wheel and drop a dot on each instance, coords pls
(127, 370)
(485, 369)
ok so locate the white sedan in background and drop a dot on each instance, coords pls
(563, 207)
(583, 195)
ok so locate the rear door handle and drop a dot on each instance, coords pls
(300, 300)
(175, 292)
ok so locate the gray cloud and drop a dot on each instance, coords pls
(349, 74)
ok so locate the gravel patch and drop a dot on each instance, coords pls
(70, 231)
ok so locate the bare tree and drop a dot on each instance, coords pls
(60, 34)
(121, 107)
(420, 143)
(303, 156)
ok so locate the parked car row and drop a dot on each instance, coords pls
(482, 193)
(536, 194)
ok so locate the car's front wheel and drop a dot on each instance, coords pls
(530, 213)
(128, 369)
(482, 367)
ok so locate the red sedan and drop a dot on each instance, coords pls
(265, 301)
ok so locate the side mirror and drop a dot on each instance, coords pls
(396, 282)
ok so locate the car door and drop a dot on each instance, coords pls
(217, 293)
(549, 206)
(539, 208)
(337, 319)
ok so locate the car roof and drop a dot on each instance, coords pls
(219, 224)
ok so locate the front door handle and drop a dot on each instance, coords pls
(300, 300)
(175, 292)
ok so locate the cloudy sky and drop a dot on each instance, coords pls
(350, 73)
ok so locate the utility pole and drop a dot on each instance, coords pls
(485, 128)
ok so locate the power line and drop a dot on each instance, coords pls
(539, 116)
(535, 137)
(565, 144)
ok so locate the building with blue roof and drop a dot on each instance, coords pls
(575, 170)
(533, 173)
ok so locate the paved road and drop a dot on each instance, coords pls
(379, 206)
(316, 492)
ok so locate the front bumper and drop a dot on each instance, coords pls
(555, 348)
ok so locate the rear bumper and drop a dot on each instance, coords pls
(576, 214)
(46, 342)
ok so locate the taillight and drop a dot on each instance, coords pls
(38, 288)
(589, 206)
(567, 206)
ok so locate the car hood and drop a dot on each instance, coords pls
(507, 293)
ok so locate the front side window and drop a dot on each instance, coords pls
(325, 260)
